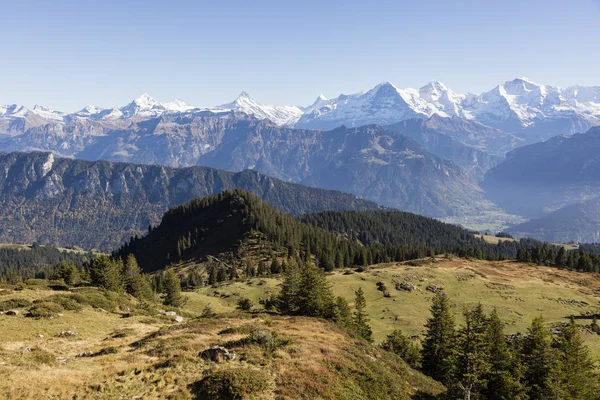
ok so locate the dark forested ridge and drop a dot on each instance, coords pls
(65, 202)
(23, 262)
(240, 229)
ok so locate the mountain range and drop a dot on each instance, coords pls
(370, 161)
(429, 150)
(100, 204)
(555, 183)
(520, 106)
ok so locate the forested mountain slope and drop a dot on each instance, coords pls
(99, 204)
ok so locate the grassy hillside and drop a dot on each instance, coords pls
(139, 353)
(519, 291)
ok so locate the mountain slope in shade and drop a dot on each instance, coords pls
(371, 161)
(547, 176)
(99, 204)
(458, 140)
(577, 222)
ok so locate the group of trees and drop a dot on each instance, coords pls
(557, 256)
(305, 291)
(18, 263)
(479, 361)
(118, 275)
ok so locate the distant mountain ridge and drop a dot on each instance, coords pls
(577, 222)
(370, 161)
(522, 107)
(543, 177)
(99, 204)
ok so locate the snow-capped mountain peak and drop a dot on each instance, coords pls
(280, 115)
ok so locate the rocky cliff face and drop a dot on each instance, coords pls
(99, 204)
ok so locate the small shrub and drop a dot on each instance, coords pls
(236, 383)
(14, 303)
(40, 356)
(66, 302)
(208, 311)
(244, 304)
(44, 310)
(95, 299)
(105, 351)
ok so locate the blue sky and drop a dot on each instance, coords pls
(66, 54)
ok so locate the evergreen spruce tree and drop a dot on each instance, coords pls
(361, 318)
(68, 272)
(136, 283)
(342, 314)
(399, 344)
(314, 297)
(172, 289)
(275, 267)
(472, 356)
(503, 378)
(561, 258)
(538, 361)
(107, 273)
(437, 355)
(212, 275)
(573, 365)
(595, 327)
(287, 301)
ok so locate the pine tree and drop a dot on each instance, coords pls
(342, 314)
(561, 258)
(503, 378)
(472, 356)
(538, 361)
(275, 267)
(136, 283)
(595, 327)
(399, 344)
(573, 364)
(212, 275)
(438, 346)
(314, 298)
(287, 301)
(361, 318)
(68, 272)
(172, 289)
(107, 273)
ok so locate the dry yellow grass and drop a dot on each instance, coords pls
(157, 359)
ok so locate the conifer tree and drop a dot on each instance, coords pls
(538, 361)
(472, 355)
(172, 289)
(503, 378)
(438, 346)
(361, 318)
(68, 272)
(399, 344)
(314, 298)
(136, 283)
(287, 301)
(107, 273)
(212, 275)
(342, 314)
(573, 365)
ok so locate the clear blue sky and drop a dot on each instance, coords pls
(66, 54)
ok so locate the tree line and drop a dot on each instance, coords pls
(18, 264)
(478, 360)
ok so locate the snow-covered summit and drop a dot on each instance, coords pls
(280, 115)
(513, 106)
